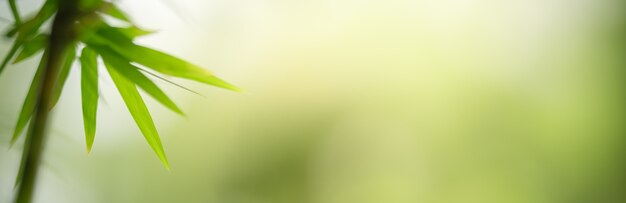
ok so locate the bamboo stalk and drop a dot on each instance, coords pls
(60, 38)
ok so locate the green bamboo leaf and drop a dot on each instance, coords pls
(112, 10)
(134, 31)
(89, 93)
(132, 73)
(31, 47)
(173, 66)
(9, 56)
(30, 27)
(154, 59)
(31, 100)
(110, 33)
(139, 112)
(119, 34)
(70, 54)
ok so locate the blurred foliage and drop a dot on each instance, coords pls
(397, 101)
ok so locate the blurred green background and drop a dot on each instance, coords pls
(395, 101)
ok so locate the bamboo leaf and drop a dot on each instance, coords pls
(89, 93)
(132, 73)
(173, 66)
(120, 34)
(9, 56)
(154, 59)
(134, 31)
(30, 27)
(70, 54)
(112, 10)
(29, 103)
(112, 34)
(139, 112)
(31, 47)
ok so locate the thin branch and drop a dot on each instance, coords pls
(173, 83)
(15, 12)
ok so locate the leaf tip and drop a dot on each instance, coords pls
(238, 90)
(17, 60)
(166, 164)
(11, 144)
(215, 81)
(16, 135)
(88, 150)
(228, 86)
(181, 113)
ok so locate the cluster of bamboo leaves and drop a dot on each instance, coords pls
(121, 56)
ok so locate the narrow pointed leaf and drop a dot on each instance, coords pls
(139, 112)
(133, 31)
(70, 54)
(30, 27)
(9, 56)
(154, 59)
(29, 103)
(89, 93)
(31, 47)
(132, 73)
(173, 66)
(111, 10)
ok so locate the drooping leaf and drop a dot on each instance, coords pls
(154, 59)
(89, 93)
(132, 73)
(30, 101)
(112, 10)
(9, 56)
(139, 112)
(70, 54)
(31, 47)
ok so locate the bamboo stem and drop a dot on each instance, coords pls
(60, 38)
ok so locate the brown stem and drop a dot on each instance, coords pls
(60, 38)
